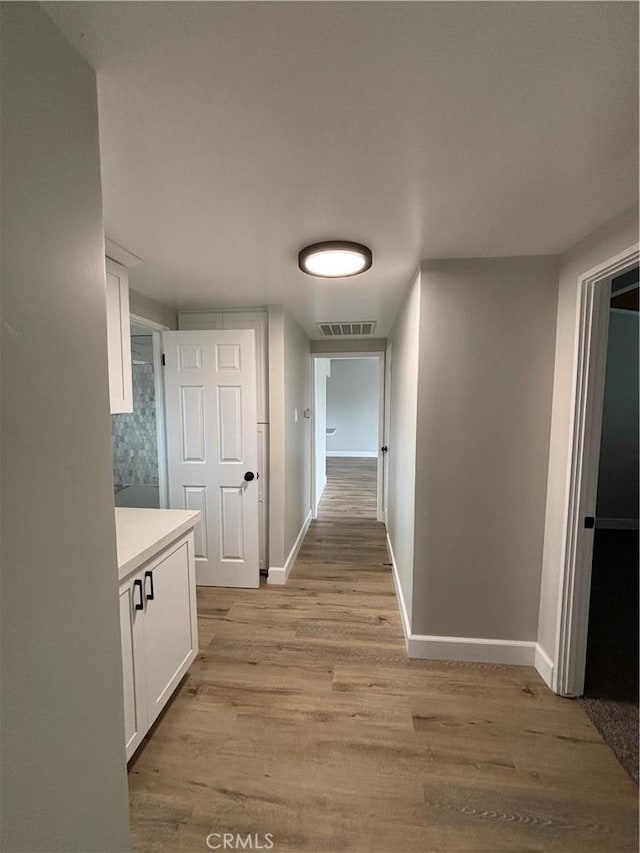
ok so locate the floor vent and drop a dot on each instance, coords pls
(347, 330)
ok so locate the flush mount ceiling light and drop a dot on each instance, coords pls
(335, 259)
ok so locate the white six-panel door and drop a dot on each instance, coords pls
(212, 456)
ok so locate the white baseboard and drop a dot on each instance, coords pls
(314, 509)
(404, 615)
(472, 649)
(544, 665)
(278, 574)
(617, 523)
(425, 647)
(368, 454)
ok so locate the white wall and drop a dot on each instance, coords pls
(607, 241)
(405, 341)
(297, 360)
(151, 309)
(352, 406)
(484, 409)
(322, 372)
(64, 785)
(290, 440)
(276, 436)
(618, 470)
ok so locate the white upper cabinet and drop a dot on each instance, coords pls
(119, 338)
(256, 320)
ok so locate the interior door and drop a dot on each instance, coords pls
(212, 454)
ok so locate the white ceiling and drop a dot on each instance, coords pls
(232, 134)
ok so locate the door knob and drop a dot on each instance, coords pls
(249, 476)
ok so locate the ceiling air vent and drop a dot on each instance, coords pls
(347, 330)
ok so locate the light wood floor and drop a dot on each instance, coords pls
(351, 488)
(303, 717)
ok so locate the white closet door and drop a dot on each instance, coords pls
(212, 454)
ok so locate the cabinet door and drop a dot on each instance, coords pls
(170, 628)
(256, 320)
(263, 494)
(132, 633)
(118, 338)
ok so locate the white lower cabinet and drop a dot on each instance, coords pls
(131, 630)
(159, 634)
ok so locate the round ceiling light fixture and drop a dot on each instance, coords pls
(335, 259)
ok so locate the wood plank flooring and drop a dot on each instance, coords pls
(303, 717)
(351, 488)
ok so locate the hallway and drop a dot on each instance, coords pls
(302, 717)
(351, 488)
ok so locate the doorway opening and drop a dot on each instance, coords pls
(611, 672)
(580, 517)
(348, 439)
(137, 437)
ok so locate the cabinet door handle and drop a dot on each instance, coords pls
(140, 603)
(150, 595)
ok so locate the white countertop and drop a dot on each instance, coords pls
(142, 533)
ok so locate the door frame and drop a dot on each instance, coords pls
(388, 361)
(587, 398)
(380, 486)
(314, 471)
(156, 342)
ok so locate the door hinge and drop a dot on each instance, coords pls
(164, 360)
(589, 522)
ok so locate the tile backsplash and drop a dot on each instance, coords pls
(133, 435)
